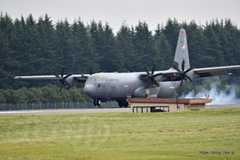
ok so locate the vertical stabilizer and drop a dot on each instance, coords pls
(181, 59)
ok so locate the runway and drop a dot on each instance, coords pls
(91, 110)
(65, 111)
(216, 106)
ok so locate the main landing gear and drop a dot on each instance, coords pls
(96, 102)
(122, 103)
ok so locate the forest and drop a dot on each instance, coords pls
(31, 46)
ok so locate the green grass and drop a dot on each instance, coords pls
(207, 134)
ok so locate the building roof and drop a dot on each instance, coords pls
(185, 101)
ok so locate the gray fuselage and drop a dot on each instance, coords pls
(114, 86)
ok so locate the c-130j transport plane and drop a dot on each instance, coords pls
(116, 86)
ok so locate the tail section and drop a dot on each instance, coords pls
(181, 59)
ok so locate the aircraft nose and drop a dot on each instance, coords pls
(89, 89)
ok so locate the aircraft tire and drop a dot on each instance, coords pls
(122, 103)
(96, 102)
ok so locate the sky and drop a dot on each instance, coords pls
(128, 12)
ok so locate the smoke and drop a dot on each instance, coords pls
(226, 96)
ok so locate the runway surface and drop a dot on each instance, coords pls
(90, 110)
(66, 111)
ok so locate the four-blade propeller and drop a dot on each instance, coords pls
(150, 77)
(63, 79)
(182, 73)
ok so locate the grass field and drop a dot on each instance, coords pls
(208, 134)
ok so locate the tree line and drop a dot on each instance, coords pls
(48, 93)
(31, 46)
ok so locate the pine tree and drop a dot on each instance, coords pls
(46, 46)
(7, 54)
(85, 60)
(143, 42)
(109, 60)
(197, 44)
(95, 41)
(171, 31)
(213, 49)
(162, 50)
(65, 59)
(125, 49)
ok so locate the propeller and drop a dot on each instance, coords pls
(63, 79)
(182, 73)
(150, 77)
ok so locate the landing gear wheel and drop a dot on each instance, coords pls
(96, 102)
(122, 103)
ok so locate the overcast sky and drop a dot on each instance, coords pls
(117, 12)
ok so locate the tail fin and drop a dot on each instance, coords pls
(181, 59)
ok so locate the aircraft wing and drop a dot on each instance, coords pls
(215, 71)
(174, 75)
(77, 77)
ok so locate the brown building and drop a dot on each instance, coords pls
(166, 105)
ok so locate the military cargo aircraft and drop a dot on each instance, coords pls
(116, 86)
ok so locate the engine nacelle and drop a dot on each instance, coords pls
(140, 92)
